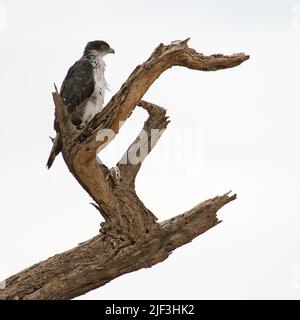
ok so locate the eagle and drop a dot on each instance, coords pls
(82, 91)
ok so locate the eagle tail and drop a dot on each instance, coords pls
(56, 148)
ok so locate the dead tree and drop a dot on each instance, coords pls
(130, 237)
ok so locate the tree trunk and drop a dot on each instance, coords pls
(130, 237)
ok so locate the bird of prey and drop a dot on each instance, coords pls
(83, 89)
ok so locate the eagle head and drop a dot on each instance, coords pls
(97, 48)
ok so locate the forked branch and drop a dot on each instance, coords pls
(130, 237)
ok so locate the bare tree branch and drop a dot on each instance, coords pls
(96, 262)
(134, 156)
(164, 57)
(130, 237)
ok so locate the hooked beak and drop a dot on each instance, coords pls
(111, 50)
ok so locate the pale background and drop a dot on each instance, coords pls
(236, 129)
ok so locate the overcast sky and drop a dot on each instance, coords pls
(235, 129)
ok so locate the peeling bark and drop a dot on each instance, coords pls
(130, 237)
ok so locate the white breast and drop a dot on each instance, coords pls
(96, 102)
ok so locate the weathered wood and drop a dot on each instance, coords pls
(146, 141)
(130, 237)
(99, 260)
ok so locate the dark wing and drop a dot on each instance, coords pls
(78, 84)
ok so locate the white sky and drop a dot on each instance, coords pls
(244, 125)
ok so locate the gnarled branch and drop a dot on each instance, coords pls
(96, 262)
(134, 156)
(130, 237)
